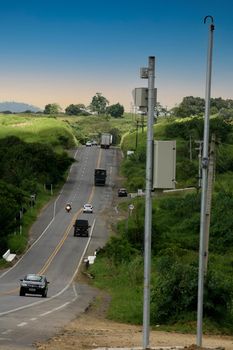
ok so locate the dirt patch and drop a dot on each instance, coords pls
(92, 330)
(20, 125)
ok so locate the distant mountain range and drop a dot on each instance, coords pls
(18, 107)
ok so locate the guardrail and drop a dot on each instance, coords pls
(8, 256)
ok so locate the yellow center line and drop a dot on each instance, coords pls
(60, 244)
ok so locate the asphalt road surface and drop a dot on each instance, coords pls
(56, 253)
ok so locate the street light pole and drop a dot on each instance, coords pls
(205, 160)
(148, 202)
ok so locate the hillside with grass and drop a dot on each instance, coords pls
(34, 158)
(29, 143)
(175, 237)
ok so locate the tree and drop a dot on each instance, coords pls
(75, 109)
(52, 108)
(189, 106)
(99, 103)
(160, 111)
(116, 110)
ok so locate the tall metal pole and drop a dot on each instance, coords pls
(202, 252)
(148, 203)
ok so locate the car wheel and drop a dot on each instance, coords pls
(44, 294)
(21, 293)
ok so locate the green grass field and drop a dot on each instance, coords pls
(36, 129)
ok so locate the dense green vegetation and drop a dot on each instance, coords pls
(32, 158)
(194, 106)
(175, 237)
(25, 169)
(30, 144)
(36, 128)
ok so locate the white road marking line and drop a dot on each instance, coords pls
(33, 319)
(75, 292)
(46, 313)
(62, 306)
(42, 234)
(7, 331)
(22, 324)
(55, 309)
(61, 291)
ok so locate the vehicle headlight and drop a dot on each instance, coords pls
(41, 285)
(24, 284)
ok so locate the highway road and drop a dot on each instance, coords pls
(55, 252)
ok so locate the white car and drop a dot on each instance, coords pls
(88, 144)
(87, 208)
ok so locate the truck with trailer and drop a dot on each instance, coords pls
(81, 228)
(100, 177)
(106, 140)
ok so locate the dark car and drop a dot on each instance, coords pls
(34, 284)
(122, 192)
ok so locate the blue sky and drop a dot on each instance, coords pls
(66, 51)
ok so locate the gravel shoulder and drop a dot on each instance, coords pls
(92, 330)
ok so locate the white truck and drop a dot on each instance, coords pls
(106, 140)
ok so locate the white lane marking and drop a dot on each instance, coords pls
(75, 292)
(33, 319)
(46, 313)
(61, 291)
(22, 324)
(7, 331)
(61, 306)
(55, 309)
(42, 234)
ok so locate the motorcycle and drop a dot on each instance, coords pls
(68, 208)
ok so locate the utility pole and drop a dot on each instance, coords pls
(190, 148)
(136, 145)
(150, 74)
(145, 99)
(205, 160)
(209, 196)
(199, 149)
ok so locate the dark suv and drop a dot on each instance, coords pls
(34, 284)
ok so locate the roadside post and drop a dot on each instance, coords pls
(204, 186)
(148, 73)
(145, 99)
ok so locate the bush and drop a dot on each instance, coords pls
(118, 250)
(175, 292)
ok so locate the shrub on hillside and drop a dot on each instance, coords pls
(221, 238)
(195, 126)
(175, 292)
(118, 250)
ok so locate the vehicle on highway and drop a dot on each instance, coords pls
(94, 143)
(81, 228)
(34, 284)
(88, 144)
(106, 140)
(100, 177)
(122, 192)
(87, 208)
(68, 207)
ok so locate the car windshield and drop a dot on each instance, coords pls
(33, 278)
(87, 205)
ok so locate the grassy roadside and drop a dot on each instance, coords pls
(175, 238)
